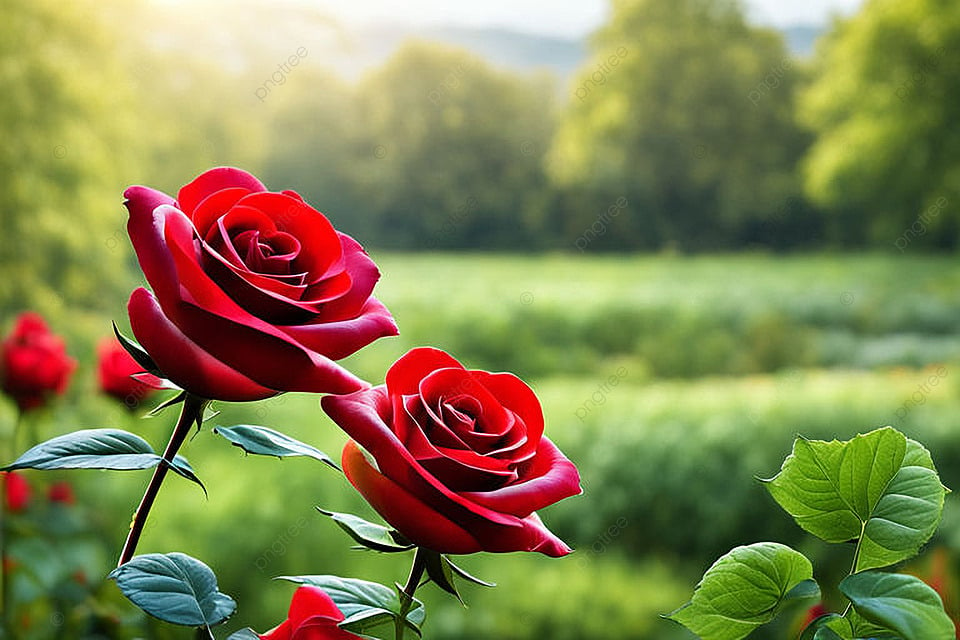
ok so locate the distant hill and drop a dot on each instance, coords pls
(523, 51)
(501, 47)
(238, 41)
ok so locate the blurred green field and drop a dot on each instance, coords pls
(673, 383)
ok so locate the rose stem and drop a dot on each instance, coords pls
(192, 412)
(406, 595)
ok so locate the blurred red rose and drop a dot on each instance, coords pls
(61, 493)
(115, 368)
(254, 291)
(458, 461)
(34, 363)
(16, 491)
(313, 616)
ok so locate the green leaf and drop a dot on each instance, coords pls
(744, 589)
(466, 576)
(90, 449)
(863, 628)
(364, 604)
(901, 603)
(137, 352)
(267, 442)
(442, 570)
(174, 588)
(182, 468)
(828, 627)
(438, 569)
(370, 535)
(881, 487)
(244, 634)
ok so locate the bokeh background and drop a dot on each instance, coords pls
(698, 228)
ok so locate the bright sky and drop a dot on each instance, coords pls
(556, 17)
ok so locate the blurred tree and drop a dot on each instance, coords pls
(686, 113)
(67, 134)
(884, 105)
(433, 150)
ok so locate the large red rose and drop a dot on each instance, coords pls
(254, 291)
(34, 363)
(313, 616)
(116, 370)
(458, 461)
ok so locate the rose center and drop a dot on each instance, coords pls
(271, 254)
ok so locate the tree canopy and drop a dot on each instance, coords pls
(884, 103)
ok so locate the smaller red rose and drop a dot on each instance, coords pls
(16, 491)
(61, 493)
(313, 616)
(34, 363)
(455, 459)
(121, 377)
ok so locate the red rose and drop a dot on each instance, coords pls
(115, 370)
(459, 462)
(61, 493)
(313, 616)
(35, 363)
(16, 491)
(254, 292)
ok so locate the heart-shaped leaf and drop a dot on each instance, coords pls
(900, 603)
(174, 588)
(370, 535)
(828, 627)
(364, 604)
(881, 487)
(267, 442)
(744, 589)
(90, 449)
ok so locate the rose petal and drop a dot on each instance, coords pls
(514, 394)
(182, 360)
(339, 339)
(533, 535)
(404, 376)
(408, 514)
(214, 206)
(280, 632)
(363, 278)
(550, 478)
(322, 254)
(213, 180)
(145, 228)
(310, 602)
(203, 311)
(364, 415)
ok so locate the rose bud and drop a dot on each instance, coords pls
(253, 291)
(16, 491)
(61, 493)
(313, 616)
(34, 363)
(116, 370)
(457, 458)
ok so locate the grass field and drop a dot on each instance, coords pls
(673, 383)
